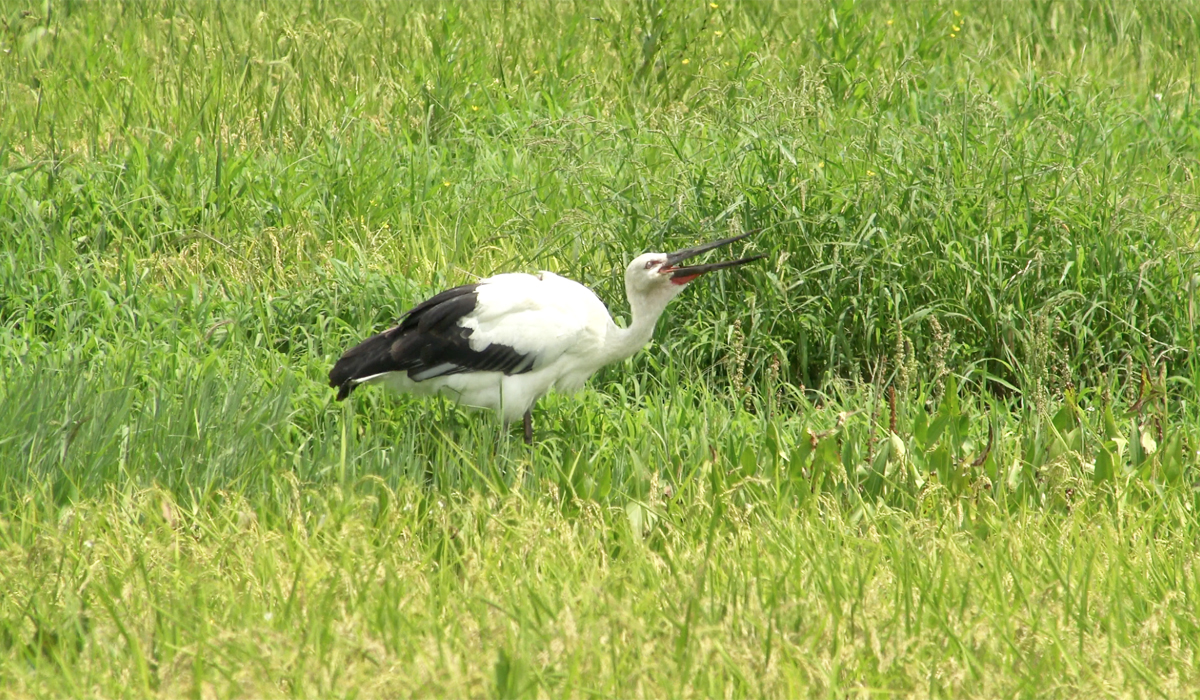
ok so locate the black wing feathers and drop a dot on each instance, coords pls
(413, 316)
(441, 319)
(427, 343)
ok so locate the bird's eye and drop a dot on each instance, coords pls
(651, 264)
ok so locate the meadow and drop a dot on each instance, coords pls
(943, 442)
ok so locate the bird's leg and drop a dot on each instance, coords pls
(529, 427)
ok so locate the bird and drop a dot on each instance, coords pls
(505, 341)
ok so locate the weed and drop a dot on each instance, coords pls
(203, 204)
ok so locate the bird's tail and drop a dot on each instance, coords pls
(369, 358)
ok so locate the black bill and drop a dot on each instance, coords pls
(687, 273)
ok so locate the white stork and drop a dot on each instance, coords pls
(505, 341)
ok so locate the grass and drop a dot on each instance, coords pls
(943, 444)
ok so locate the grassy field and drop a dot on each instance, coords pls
(944, 442)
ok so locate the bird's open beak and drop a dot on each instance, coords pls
(687, 273)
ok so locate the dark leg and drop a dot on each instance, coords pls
(529, 427)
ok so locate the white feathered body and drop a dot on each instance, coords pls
(559, 323)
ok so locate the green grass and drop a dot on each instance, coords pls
(943, 442)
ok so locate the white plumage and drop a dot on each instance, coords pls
(507, 340)
(555, 323)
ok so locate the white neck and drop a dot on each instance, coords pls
(625, 342)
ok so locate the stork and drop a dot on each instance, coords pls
(505, 341)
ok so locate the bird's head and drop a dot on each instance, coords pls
(662, 275)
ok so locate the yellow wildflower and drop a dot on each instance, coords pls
(686, 61)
